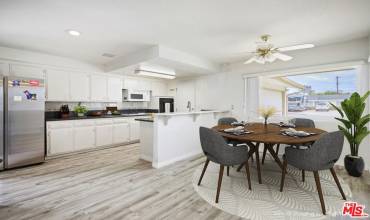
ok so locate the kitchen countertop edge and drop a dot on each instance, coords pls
(144, 119)
(95, 117)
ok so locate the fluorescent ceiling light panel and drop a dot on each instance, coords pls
(167, 75)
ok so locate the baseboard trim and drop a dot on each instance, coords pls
(146, 158)
(176, 159)
(50, 157)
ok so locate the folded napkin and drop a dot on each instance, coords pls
(239, 128)
(242, 123)
(286, 124)
(293, 132)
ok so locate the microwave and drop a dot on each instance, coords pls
(135, 95)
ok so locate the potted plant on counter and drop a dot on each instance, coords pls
(80, 110)
(354, 129)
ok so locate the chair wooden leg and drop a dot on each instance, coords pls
(219, 182)
(264, 154)
(228, 171)
(303, 175)
(338, 183)
(283, 172)
(248, 175)
(203, 171)
(319, 190)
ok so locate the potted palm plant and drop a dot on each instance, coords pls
(354, 128)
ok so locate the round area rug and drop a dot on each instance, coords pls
(299, 200)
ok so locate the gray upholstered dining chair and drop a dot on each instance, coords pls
(302, 122)
(298, 122)
(322, 155)
(229, 121)
(218, 151)
(226, 121)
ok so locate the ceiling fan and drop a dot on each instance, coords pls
(267, 52)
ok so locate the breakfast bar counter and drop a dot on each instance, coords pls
(171, 137)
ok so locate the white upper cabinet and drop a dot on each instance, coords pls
(159, 88)
(115, 89)
(79, 87)
(26, 71)
(57, 85)
(98, 89)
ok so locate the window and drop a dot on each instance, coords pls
(308, 95)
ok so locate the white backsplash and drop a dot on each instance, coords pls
(55, 106)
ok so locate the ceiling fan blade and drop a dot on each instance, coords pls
(295, 47)
(244, 53)
(250, 60)
(282, 57)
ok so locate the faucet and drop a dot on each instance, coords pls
(189, 106)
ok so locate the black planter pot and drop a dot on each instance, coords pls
(354, 165)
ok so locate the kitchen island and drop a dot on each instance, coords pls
(170, 137)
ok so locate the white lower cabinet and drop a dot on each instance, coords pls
(121, 133)
(104, 135)
(84, 137)
(69, 136)
(60, 140)
(134, 130)
(59, 137)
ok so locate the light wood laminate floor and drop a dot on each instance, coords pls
(113, 183)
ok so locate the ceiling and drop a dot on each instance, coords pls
(216, 30)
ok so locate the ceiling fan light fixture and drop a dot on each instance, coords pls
(267, 53)
(73, 33)
(260, 60)
(270, 58)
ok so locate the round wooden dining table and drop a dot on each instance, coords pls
(269, 135)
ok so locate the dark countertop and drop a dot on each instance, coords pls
(95, 117)
(55, 115)
(145, 119)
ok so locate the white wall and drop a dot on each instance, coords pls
(226, 89)
(45, 60)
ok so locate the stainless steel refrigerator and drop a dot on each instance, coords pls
(22, 106)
